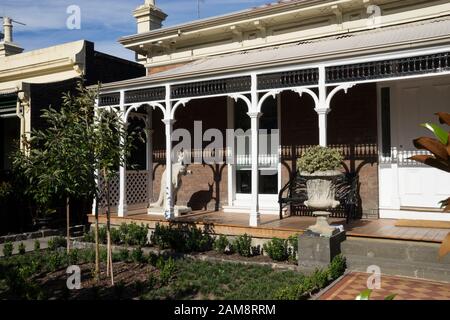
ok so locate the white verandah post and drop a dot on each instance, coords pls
(122, 209)
(149, 152)
(169, 121)
(322, 109)
(254, 115)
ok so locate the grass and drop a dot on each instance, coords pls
(209, 280)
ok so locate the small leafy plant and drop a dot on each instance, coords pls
(21, 248)
(243, 245)
(277, 249)
(222, 245)
(319, 158)
(37, 245)
(8, 249)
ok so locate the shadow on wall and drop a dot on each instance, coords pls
(200, 199)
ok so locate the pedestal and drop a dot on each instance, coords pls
(316, 252)
(322, 227)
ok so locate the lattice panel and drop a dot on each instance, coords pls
(137, 189)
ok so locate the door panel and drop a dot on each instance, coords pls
(416, 103)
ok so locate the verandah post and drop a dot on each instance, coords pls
(168, 121)
(122, 210)
(254, 115)
(322, 109)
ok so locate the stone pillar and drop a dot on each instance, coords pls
(123, 208)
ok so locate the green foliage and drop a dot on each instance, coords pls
(181, 238)
(8, 249)
(5, 190)
(277, 249)
(37, 245)
(166, 270)
(318, 280)
(21, 248)
(243, 245)
(133, 234)
(438, 132)
(319, 158)
(56, 242)
(293, 247)
(137, 255)
(222, 244)
(337, 267)
(124, 255)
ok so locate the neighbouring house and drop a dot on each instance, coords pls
(32, 81)
(357, 75)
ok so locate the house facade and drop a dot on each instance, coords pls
(357, 75)
(32, 81)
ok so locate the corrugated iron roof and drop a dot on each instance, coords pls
(324, 48)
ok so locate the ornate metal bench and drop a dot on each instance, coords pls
(347, 193)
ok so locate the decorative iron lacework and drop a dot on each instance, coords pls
(142, 95)
(288, 79)
(389, 68)
(206, 88)
(109, 99)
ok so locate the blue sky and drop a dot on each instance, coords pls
(102, 21)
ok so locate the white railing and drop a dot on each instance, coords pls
(264, 160)
(402, 157)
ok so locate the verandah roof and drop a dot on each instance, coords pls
(406, 36)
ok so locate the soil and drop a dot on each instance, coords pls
(130, 281)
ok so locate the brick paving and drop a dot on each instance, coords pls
(405, 288)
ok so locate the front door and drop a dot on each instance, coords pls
(413, 103)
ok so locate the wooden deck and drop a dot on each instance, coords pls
(237, 223)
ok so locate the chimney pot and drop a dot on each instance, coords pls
(7, 29)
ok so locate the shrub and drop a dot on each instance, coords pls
(133, 235)
(277, 249)
(318, 280)
(8, 249)
(166, 271)
(152, 259)
(243, 245)
(319, 158)
(182, 238)
(137, 255)
(56, 242)
(37, 245)
(337, 267)
(222, 244)
(21, 248)
(124, 255)
(115, 236)
(293, 247)
(53, 261)
(74, 256)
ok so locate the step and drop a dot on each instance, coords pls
(395, 257)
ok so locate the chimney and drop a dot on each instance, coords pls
(7, 47)
(148, 17)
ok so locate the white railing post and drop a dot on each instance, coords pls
(122, 209)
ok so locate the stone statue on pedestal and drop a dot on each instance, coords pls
(178, 171)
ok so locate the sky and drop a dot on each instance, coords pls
(102, 21)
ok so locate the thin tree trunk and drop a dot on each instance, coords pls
(97, 244)
(68, 223)
(109, 265)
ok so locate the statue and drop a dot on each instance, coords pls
(178, 171)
